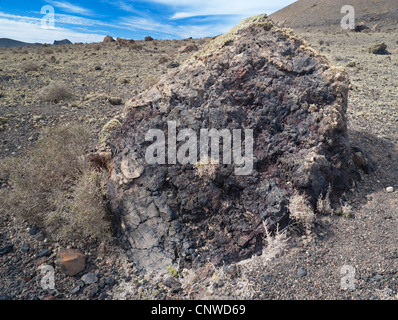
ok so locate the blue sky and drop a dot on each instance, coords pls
(91, 21)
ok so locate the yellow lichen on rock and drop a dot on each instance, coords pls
(107, 130)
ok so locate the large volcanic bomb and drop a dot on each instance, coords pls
(257, 81)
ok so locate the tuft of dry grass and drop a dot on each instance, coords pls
(301, 211)
(324, 205)
(30, 66)
(207, 168)
(48, 51)
(53, 185)
(54, 92)
(276, 243)
(87, 216)
(149, 82)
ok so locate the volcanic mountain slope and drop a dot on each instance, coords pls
(321, 14)
(7, 43)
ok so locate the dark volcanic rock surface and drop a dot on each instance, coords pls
(257, 77)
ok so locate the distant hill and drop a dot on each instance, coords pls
(65, 41)
(321, 14)
(7, 43)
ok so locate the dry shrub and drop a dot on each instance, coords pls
(54, 92)
(48, 51)
(276, 243)
(87, 217)
(163, 60)
(206, 168)
(30, 66)
(149, 82)
(47, 186)
(135, 47)
(301, 211)
(324, 205)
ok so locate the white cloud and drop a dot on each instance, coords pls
(182, 31)
(29, 29)
(76, 20)
(123, 5)
(189, 8)
(69, 7)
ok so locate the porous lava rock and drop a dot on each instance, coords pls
(257, 76)
(108, 39)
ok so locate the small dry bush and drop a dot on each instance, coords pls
(53, 186)
(276, 243)
(48, 51)
(163, 60)
(97, 47)
(54, 92)
(30, 66)
(135, 47)
(86, 215)
(206, 168)
(324, 205)
(149, 82)
(301, 211)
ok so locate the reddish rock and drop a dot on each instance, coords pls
(71, 262)
(108, 39)
(124, 42)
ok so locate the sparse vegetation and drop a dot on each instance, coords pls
(69, 202)
(206, 168)
(30, 66)
(301, 211)
(149, 82)
(54, 186)
(48, 51)
(324, 205)
(54, 92)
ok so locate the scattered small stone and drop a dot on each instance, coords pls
(171, 282)
(115, 101)
(90, 278)
(173, 65)
(103, 296)
(380, 48)
(267, 277)
(378, 277)
(33, 231)
(25, 248)
(190, 48)
(76, 289)
(351, 64)
(7, 249)
(110, 281)
(301, 272)
(44, 253)
(40, 261)
(390, 190)
(92, 290)
(231, 271)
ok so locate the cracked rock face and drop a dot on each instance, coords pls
(257, 77)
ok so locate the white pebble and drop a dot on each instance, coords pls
(390, 189)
